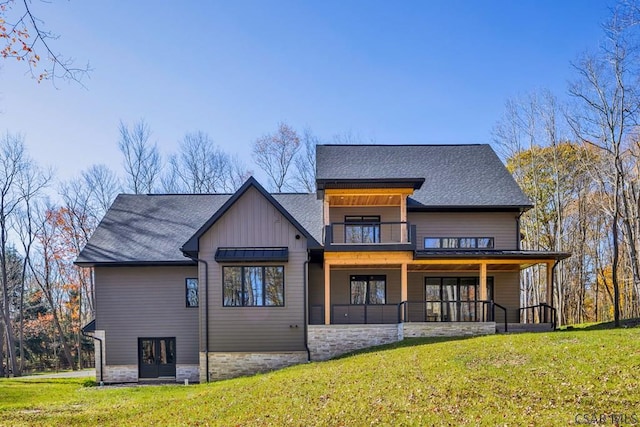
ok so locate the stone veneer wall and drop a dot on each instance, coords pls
(327, 341)
(448, 329)
(236, 364)
(120, 374)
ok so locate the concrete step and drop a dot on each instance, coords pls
(514, 328)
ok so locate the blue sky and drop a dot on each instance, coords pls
(389, 72)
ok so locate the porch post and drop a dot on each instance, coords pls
(483, 281)
(550, 283)
(403, 285)
(403, 219)
(325, 206)
(327, 293)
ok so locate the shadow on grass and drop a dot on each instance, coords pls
(407, 342)
(624, 323)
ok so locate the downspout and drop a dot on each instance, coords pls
(101, 361)
(305, 273)
(206, 311)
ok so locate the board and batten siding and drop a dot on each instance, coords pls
(502, 226)
(254, 222)
(139, 302)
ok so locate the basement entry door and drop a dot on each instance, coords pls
(157, 357)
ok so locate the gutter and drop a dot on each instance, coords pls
(305, 274)
(206, 310)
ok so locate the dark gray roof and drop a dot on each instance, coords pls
(463, 176)
(151, 229)
(148, 228)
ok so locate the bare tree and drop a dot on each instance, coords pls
(236, 174)
(275, 153)
(19, 183)
(23, 36)
(198, 167)
(607, 110)
(305, 163)
(142, 163)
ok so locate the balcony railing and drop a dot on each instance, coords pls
(361, 234)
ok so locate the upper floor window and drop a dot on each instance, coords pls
(458, 242)
(253, 286)
(191, 286)
(368, 289)
(362, 229)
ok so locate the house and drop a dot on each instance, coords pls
(399, 241)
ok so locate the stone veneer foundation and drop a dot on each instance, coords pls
(236, 364)
(328, 341)
(448, 329)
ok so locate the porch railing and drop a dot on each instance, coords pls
(410, 311)
(539, 313)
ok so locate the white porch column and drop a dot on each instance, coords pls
(327, 293)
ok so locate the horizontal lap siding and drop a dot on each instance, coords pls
(137, 302)
(253, 222)
(501, 226)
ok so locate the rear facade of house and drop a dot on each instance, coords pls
(398, 241)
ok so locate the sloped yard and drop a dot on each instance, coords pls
(557, 378)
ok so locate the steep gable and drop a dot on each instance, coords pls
(192, 246)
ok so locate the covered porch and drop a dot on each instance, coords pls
(359, 288)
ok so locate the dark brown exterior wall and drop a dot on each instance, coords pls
(138, 302)
(253, 222)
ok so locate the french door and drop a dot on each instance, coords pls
(157, 357)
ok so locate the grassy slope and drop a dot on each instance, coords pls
(527, 379)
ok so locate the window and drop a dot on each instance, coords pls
(253, 286)
(362, 229)
(454, 299)
(458, 242)
(368, 289)
(191, 286)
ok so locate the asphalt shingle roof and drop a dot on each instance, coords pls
(455, 175)
(153, 228)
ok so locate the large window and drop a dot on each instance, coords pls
(362, 229)
(191, 286)
(368, 289)
(458, 242)
(454, 299)
(250, 286)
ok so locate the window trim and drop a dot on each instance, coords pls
(458, 240)
(243, 286)
(367, 278)
(186, 292)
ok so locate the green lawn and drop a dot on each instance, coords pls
(526, 379)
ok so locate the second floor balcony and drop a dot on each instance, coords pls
(374, 235)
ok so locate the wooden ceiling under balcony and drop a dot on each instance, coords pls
(367, 197)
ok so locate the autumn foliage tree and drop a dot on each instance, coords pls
(23, 37)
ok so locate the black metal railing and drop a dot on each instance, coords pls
(449, 311)
(539, 313)
(362, 314)
(368, 233)
(410, 311)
